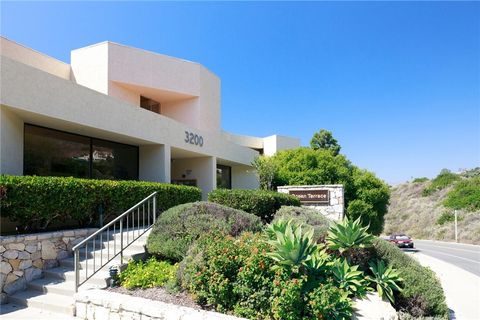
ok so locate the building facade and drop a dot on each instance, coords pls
(117, 112)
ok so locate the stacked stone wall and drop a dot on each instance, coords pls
(24, 257)
(101, 304)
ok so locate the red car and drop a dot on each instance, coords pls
(401, 240)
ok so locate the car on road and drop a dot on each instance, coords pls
(401, 240)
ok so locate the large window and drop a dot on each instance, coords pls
(224, 177)
(50, 152)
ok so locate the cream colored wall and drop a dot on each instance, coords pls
(275, 143)
(33, 58)
(117, 91)
(244, 177)
(42, 95)
(105, 66)
(11, 142)
(247, 141)
(90, 67)
(154, 163)
(80, 110)
(182, 111)
(209, 101)
(204, 170)
(152, 70)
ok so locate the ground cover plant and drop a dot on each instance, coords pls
(177, 228)
(261, 203)
(34, 203)
(148, 274)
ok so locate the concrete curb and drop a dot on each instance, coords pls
(462, 288)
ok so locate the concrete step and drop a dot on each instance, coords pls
(105, 256)
(58, 286)
(51, 302)
(137, 245)
(99, 279)
(13, 311)
(52, 285)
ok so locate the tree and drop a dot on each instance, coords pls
(366, 196)
(323, 139)
(371, 200)
(266, 171)
(305, 166)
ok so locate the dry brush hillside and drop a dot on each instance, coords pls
(417, 216)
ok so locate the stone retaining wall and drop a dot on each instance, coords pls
(100, 304)
(23, 257)
(334, 209)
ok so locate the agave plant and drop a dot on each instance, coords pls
(319, 262)
(278, 226)
(386, 279)
(349, 278)
(348, 234)
(293, 245)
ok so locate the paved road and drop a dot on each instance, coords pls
(463, 256)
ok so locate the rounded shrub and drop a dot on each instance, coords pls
(177, 228)
(308, 216)
(261, 203)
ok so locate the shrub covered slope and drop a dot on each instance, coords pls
(429, 215)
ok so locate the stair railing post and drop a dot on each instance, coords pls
(121, 241)
(154, 208)
(77, 268)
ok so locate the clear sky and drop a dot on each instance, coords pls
(398, 83)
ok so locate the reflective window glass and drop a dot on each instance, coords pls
(224, 177)
(54, 153)
(112, 160)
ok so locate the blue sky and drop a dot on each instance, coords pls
(398, 83)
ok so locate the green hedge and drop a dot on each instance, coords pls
(35, 202)
(261, 203)
(422, 293)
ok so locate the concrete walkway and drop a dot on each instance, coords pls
(462, 288)
(13, 311)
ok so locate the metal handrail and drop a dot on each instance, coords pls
(151, 212)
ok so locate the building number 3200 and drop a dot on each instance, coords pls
(193, 139)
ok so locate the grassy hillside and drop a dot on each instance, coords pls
(419, 208)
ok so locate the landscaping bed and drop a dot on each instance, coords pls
(159, 294)
(297, 267)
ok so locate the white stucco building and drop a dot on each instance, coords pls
(118, 112)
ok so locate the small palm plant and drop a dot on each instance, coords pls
(292, 244)
(347, 235)
(386, 279)
(349, 278)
